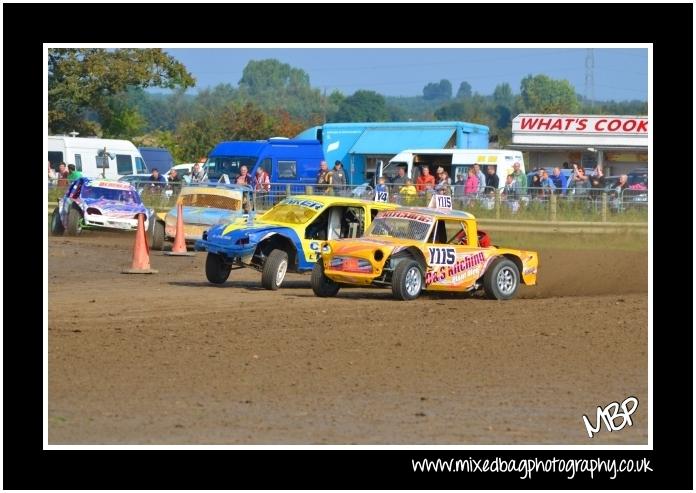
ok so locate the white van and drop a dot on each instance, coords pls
(455, 161)
(85, 153)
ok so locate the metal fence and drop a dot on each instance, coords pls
(534, 204)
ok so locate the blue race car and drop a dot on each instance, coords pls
(99, 204)
(285, 238)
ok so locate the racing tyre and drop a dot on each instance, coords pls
(216, 270)
(74, 226)
(407, 280)
(57, 228)
(157, 238)
(501, 280)
(274, 270)
(322, 285)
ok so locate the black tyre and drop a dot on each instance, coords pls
(57, 228)
(501, 280)
(157, 236)
(407, 280)
(274, 270)
(322, 285)
(216, 270)
(74, 226)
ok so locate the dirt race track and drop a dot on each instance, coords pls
(171, 359)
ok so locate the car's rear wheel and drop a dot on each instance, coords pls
(74, 226)
(322, 285)
(57, 227)
(274, 270)
(501, 280)
(407, 280)
(216, 270)
(157, 238)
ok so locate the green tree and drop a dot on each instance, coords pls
(362, 106)
(502, 95)
(81, 81)
(273, 85)
(542, 94)
(464, 91)
(438, 90)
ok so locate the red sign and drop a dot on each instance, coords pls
(579, 124)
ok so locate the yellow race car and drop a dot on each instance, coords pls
(416, 249)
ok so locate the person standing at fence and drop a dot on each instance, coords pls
(197, 174)
(557, 179)
(156, 180)
(425, 181)
(262, 183)
(443, 185)
(547, 185)
(492, 181)
(52, 175)
(401, 177)
(597, 183)
(472, 185)
(323, 176)
(244, 177)
(174, 182)
(73, 174)
(480, 177)
(408, 192)
(511, 193)
(62, 175)
(337, 178)
(579, 184)
(520, 178)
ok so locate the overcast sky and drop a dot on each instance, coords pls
(619, 73)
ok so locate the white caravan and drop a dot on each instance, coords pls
(87, 156)
(455, 161)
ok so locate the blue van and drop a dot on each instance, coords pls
(157, 157)
(291, 161)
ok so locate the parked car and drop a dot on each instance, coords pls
(139, 181)
(99, 204)
(285, 238)
(203, 206)
(421, 249)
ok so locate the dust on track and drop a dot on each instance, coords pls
(169, 358)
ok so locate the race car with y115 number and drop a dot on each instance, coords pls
(423, 249)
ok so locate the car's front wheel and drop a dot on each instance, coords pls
(57, 228)
(407, 280)
(216, 270)
(274, 270)
(322, 285)
(501, 280)
(74, 226)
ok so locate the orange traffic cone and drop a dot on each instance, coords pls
(179, 246)
(141, 252)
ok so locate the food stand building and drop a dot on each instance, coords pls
(619, 143)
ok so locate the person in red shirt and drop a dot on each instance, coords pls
(262, 182)
(425, 181)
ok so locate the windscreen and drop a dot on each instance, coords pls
(403, 225)
(229, 165)
(125, 196)
(293, 211)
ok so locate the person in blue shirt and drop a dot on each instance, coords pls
(381, 186)
(157, 181)
(557, 179)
